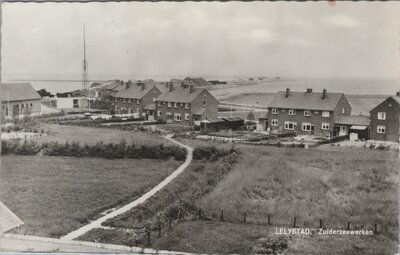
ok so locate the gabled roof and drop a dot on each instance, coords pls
(18, 92)
(180, 94)
(113, 85)
(395, 98)
(353, 120)
(135, 91)
(307, 101)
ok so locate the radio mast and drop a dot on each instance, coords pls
(85, 63)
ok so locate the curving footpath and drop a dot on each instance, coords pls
(97, 223)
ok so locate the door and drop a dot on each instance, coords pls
(342, 130)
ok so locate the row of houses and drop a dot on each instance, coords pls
(179, 101)
(329, 115)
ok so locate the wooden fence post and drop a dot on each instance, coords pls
(244, 218)
(222, 215)
(294, 222)
(159, 230)
(320, 223)
(148, 238)
(348, 225)
(269, 219)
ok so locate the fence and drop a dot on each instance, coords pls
(147, 238)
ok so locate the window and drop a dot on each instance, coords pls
(186, 116)
(381, 129)
(274, 111)
(292, 112)
(168, 114)
(326, 114)
(130, 101)
(138, 101)
(274, 122)
(154, 99)
(75, 103)
(169, 104)
(381, 115)
(204, 103)
(22, 106)
(159, 113)
(289, 125)
(316, 112)
(177, 117)
(176, 105)
(325, 126)
(306, 126)
(159, 103)
(187, 106)
(31, 104)
(343, 111)
(307, 113)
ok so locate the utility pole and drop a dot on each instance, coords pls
(85, 63)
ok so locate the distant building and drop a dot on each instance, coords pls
(385, 119)
(140, 97)
(108, 89)
(72, 102)
(198, 82)
(186, 104)
(19, 99)
(306, 112)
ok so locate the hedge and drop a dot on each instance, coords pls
(100, 149)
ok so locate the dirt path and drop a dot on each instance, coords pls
(97, 223)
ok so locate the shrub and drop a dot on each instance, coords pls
(210, 153)
(109, 150)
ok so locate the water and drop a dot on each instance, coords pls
(64, 83)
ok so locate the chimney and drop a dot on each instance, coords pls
(143, 85)
(171, 86)
(398, 93)
(324, 94)
(191, 88)
(287, 92)
(309, 91)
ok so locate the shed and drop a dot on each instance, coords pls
(214, 124)
(234, 123)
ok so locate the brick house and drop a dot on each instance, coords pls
(186, 104)
(306, 112)
(108, 89)
(19, 99)
(385, 120)
(138, 98)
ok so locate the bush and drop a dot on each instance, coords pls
(210, 153)
(109, 151)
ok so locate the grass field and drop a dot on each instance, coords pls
(335, 184)
(55, 195)
(63, 133)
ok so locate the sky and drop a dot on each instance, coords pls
(220, 39)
